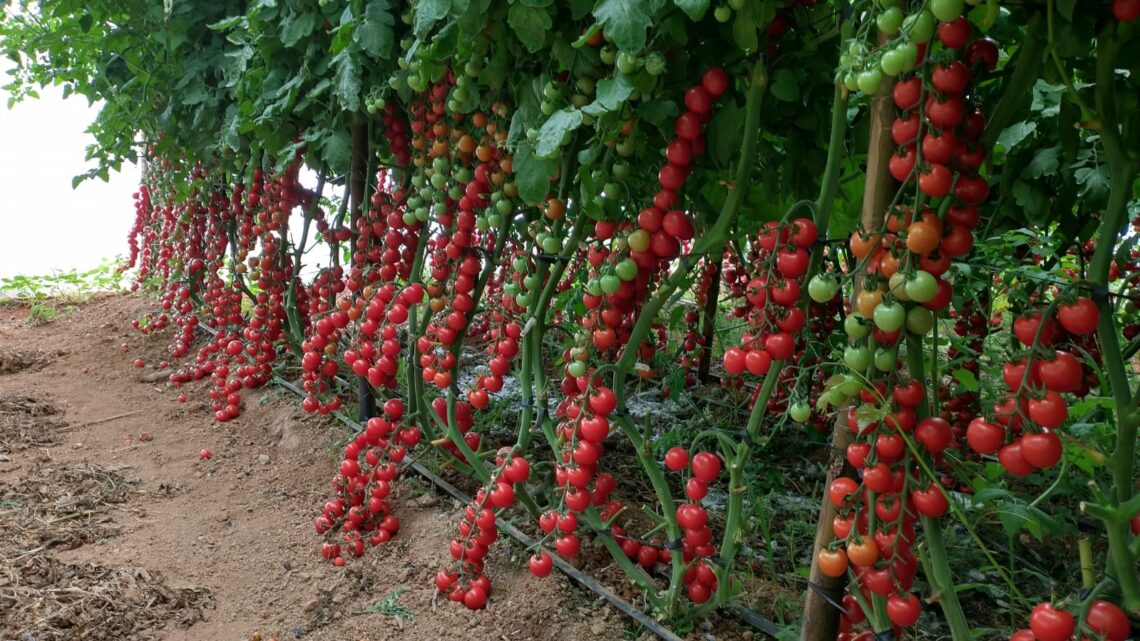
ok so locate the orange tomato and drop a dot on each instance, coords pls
(922, 237)
(867, 301)
(862, 244)
(863, 553)
(833, 563)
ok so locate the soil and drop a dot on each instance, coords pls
(111, 527)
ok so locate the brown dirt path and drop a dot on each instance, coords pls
(133, 557)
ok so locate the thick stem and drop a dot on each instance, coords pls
(708, 327)
(1123, 171)
(357, 173)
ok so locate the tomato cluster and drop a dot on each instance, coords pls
(361, 510)
(478, 531)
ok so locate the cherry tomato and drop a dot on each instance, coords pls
(1049, 624)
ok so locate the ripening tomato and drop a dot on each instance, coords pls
(863, 553)
(923, 237)
(832, 563)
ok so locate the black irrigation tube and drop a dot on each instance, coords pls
(625, 607)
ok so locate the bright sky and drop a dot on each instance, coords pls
(47, 226)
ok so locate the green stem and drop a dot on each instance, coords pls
(1123, 172)
(940, 578)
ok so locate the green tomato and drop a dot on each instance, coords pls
(822, 288)
(551, 91)
(639, 240)
(655, 64)
(737, 5)
(849, 387)
(410, 217)
(612, 190)
(857, 357)
(893, 61)
(890, 316)
(855, 326)
(482, 224)
(922, 288)
(889, 21)
(594, 287)
(547, 108)
(896, 286)
(909, 55)
(585, 84)
(870, 81)
(626, 269)
(621, 170)
(722, 14)
(851, 82)
(920, 26)
(494, 220)
(523, 300)
(576, 368)
(520, 264)
(799, 411)
(610, 283)
(552, 245)
(512, 289)
(886, 358)
(504, 206)
(920, 321)
(627, 62)
(947, 10)
(531, 282)
(608, 55)
(625, 148)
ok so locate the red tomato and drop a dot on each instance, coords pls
(1062, 374)
(1025, 328)
(676, 458)
(954, 34)
(934, 433)
(1081, 317)
(541, 564)
(715, 81)
(984, 437)
(908, 92)
(939, 148)
(952, 78)
(1048, 411)
(841, 489)
(930, 502)
(903, 611)
(1049, 624)
(1013, 460)
(935, 181)
(905, 131)
(1108, 620)
(902, 166)
(945, 114)
(706, 466)
(983, 51)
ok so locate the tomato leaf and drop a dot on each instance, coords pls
(428, 13)
(967, 379)
(374, 33)
(554, 131)
(611, 93)
(724, 133)
(1015, 133)
(626, 21)
(695, 9)
(532, 174)
(297, 26)
(348, 82)
(785, 85)
(1045, 162)
(744, 29)
(530, 24)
